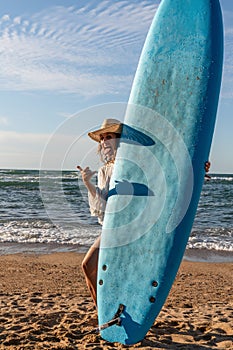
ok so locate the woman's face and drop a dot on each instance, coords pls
(108, 143)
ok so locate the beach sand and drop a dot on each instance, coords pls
(44, 304)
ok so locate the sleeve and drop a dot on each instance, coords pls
(98, 203)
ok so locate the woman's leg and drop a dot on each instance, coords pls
(90, 268)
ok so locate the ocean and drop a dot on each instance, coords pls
(50, 213)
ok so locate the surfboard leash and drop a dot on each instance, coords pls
(116, 320)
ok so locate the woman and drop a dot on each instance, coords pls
(108, 138)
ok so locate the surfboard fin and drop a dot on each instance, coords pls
(116, 320)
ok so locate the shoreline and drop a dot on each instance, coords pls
(194, 255)
(44, 303)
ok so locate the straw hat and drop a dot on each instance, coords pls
(109, 125)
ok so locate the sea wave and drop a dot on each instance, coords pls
(219, 239)
(44, 231)
(222, 178)
(41, 231)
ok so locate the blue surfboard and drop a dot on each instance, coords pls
(159, 169)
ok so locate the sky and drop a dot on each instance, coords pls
(63, 60)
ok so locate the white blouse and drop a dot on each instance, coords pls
(98, 203)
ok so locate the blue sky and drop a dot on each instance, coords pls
(61, 57)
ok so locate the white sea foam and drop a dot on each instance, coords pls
(38, 231)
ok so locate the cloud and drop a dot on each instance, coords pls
(24, 150)
(4, 121)
(227, 85)
(5, 18)
(17, 20)
(45, 151)
(88, 50)
(12, 140)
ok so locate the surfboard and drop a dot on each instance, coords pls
(159, 169)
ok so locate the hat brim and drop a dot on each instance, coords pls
(114, 128)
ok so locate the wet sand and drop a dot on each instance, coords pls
(44, 304)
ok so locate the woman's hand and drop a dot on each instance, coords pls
(87, 174)
(207, 168)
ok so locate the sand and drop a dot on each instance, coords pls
(44, 304)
